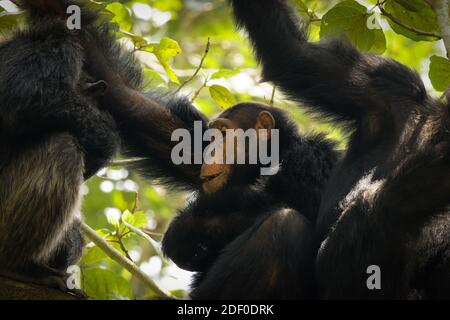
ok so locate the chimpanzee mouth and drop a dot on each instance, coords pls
(211, 177)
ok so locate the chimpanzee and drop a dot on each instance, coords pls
(386, 203)
(247, 235)
(52, 137)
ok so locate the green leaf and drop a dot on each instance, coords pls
(138, 41)
(222, 96)
(165, 50)
(122, 15)
(417, 14)
(349, 18)
(411, 5)
(93, 255)
(224, 73)
(138, 219)
(104, 15)
(303, 10)
(440, 73)
(106, 285)
(153, 79)
(379, 42)
(178, 293)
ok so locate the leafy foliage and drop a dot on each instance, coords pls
(440, 72)
(417, 14)
(164, 50)
(222, 96)
(351, 18)
(169, 37)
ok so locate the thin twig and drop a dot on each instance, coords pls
(311, 19)
(197, 93)
(409, 28)
(200, 66)
(155, 244)
(136, 206)
(126, 162)
(272, 98)
(152, 233)
(114, 254)
(124, 249)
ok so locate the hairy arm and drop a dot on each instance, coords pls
(146, 123)
(331, 77)
(146, 120)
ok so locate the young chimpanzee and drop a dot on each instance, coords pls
(248, 236)
(52, 137)
(386, 204)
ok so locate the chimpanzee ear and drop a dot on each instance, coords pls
(265, 121)
(96, 88)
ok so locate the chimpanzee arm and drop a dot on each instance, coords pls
(331, 77)
(146, 123)
(146, 120)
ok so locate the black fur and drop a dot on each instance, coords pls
(255, 223)
(256, 240)
(260, 224)
(386, 203)
(52, 137)
(157, 164)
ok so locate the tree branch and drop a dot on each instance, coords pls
(441, 7)
(272, 97)
(156, 246)
(197, 93)
(200, 66)
(409, 28)
(125, 162)
(15, 290)
(123, 261)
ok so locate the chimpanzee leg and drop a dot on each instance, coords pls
(274, 259)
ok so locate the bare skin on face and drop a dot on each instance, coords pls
(216, 174)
